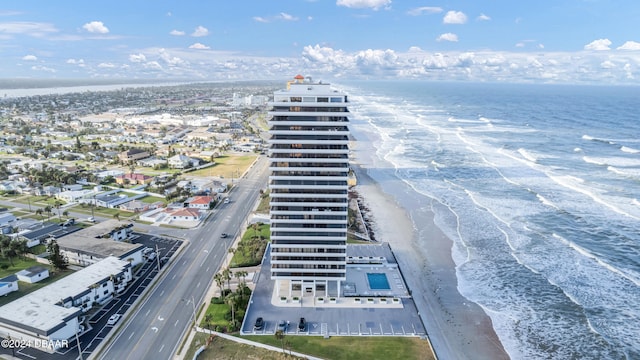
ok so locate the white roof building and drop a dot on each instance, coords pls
(51, 313)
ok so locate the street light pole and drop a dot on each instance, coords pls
(193, 304)
(158, 256)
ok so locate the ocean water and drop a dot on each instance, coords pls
(539, 188)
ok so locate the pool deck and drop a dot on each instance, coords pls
(365, 311)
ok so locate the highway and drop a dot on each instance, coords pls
(156, 327)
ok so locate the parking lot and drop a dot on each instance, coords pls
(96, 322)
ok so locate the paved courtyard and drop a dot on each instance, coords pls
(367, 309)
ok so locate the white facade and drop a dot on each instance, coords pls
(51, 313)
(309, 166)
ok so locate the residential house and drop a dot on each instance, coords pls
(8, 285)
(133, 155)
(33, 274)
(184, 214)
(7, 219)
(73, 196)
(199, 202)
(182, 161)
(137, 206)
(139, 179)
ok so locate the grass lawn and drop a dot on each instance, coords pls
(152, 199)
(346, 347)
(100, 211)
(217, 312)
(251, 255)
(18, 264)
(223, 349)
(39, 201)
(263, 206)
(26, 288)
(227, 166)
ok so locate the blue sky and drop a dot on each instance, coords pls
(562, 41)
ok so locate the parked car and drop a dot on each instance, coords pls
(91, 219)
(282, 326)
(259, 324)
(302, 325)
(227, 200)
(113, 319)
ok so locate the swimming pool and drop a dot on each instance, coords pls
(378, 281)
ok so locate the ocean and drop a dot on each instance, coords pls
(538, 186)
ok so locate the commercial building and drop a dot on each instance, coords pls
(50, 316)
(309, 167)
(102, 240)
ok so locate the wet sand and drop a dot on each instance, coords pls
(457, 328)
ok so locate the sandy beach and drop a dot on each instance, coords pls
(457, 328)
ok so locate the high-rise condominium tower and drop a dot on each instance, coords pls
(309, 167)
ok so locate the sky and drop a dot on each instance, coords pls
(552, 41)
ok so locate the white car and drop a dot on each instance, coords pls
(227, 200)
(113, 319)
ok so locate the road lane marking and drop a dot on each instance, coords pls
(130, 336)
(161, 348)
(176, 324)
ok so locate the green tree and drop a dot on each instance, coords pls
(57, 260)
(219, 281)
(39, 212)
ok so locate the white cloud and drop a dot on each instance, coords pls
(137, 58)
(598, 45)
(79, 62)
(483, 17)
(200, 31)
(199, 46)
(629, 45)
(29, 58)
(43, 68)
(447, 37)
(520, 44)
(287, 17)
(96, 27)
(106, 65)
(34, 29)
(607, 64)
(260, 19)
(177, 33)
(361, 4)
(424, 9)
(153, 65)
(170, 59)
(454, 17)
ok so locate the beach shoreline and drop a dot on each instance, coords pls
(457, 328)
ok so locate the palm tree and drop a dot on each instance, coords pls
(65, 213)
(116, 216)
(47, 209)
(232, 300)
(255, 227)
(39, 212)
(207, 320)
(57, 205)
(226, 275)
(219, 281)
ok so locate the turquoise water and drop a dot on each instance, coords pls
(378, 281)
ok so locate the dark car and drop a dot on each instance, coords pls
(224, 235)
(259, 324)
(302, 325)
(282, 326)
